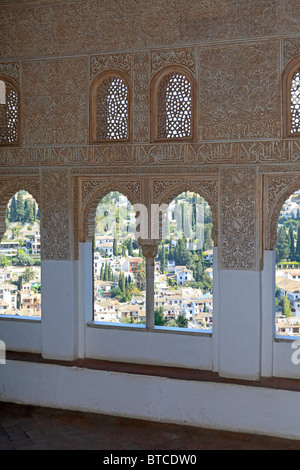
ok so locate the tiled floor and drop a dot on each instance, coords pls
(34, 428)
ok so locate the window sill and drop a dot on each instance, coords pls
(156, 329)
(19, 318)
(286, 338)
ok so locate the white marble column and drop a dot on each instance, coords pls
(149, 249)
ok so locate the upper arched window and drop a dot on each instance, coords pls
(291, 83)
(173, 105)
(9, 112)
(110, 108)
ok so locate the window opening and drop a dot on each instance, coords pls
(112, 110)
(9, 102)
(295, 102)
(175, 107)
(184, 265)
(119, 266)
(287, 290)
(20, 258)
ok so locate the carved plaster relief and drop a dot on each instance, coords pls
(55, 102)
(55, 214)
(239, 219)
(239, 95)
(103, 62)
(165, 57)
(141, 96)
(91, 191)
(154, 156)
(11, 70)
(278, 188)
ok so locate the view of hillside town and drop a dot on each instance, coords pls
(20, 258)
(287, 300)
(183, 267)
(183, 276)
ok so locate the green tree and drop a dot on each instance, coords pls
(24, 259)
(163, 260)
(130, 247)
(20, 207)
(159, 319)
(297, 254)
(13, 210)
(115, 247)
(140, 276)
(28, 275)
(283, 245)
(28, 211)
(4, 261)
(122, 282)
(286, 306)
(292, 242)
(181, 321)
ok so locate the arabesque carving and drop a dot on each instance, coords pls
(91, 193)
(278, 189)
(239, 219)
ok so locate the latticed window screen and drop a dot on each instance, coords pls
(112, 109)
(295, 102)
(8, 113)
(175, 107)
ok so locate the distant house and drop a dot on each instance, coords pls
(103, 288)
(8, 294)
(130, 264)
(9, 248)
(34, 243)
(290, 288)
(183, 275)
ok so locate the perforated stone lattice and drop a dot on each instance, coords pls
(295, 102)
(112, 109)
(175, 107)
(9, 116)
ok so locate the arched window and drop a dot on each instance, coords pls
(287, 291)
(173, 105)
(119, 266)
(291, 98)
(295, 102)
(110, 108)
(20, 258)
(9, 112)
(184, 265)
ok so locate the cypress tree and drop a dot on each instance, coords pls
(13, 210)
(28, 212)
(292, 242)
(163, 260)
(20, 207)
(286, 307)
(298, 244)
(115, 247)
(283, 245)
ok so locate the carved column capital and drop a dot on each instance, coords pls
(149, 249)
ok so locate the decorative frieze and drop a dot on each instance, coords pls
(152, 155)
